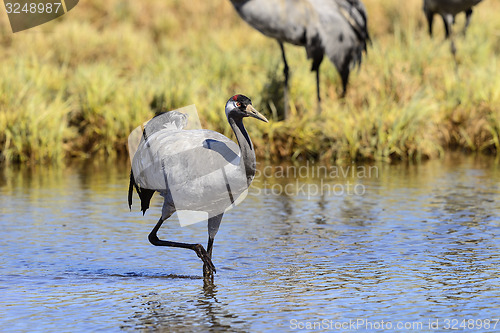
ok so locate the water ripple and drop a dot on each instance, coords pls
(420, 244)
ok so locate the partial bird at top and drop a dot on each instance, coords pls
(448, 9)
(337, 28)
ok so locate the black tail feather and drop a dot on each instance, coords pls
(130, 190)
(144, 194)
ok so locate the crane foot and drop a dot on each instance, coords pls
(208, 266)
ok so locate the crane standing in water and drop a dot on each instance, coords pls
(337, 28)
(197, 170)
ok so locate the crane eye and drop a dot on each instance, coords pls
(238, 104)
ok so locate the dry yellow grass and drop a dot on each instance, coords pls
(77, 86)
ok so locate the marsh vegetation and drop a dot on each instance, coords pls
(77, 86)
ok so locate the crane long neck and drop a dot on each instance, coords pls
(247, 160)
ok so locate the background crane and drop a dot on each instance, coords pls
(448, 9)
(337, 28)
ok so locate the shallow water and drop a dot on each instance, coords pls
(402, 245)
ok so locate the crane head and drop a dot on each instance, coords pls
(241, 106)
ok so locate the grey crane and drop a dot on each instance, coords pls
(448, 10)
(197, 170)
(337, 28)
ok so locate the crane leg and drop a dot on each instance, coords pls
(210, 246)
(317, 56)
(453, 49)
(213, 227)
(317, 91)
(198, 248)
(451, 35)
(206, 269)
(454, 53)
(344, 75)
(448, 21)
(468, 14)
(447, 25)
(285, 73)
(430, 21)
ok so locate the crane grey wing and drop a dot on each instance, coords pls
(172, 120)
(167, 120)
(204, 152)
(289, 21)
(343, 32)
(355, 14)
(196, 169)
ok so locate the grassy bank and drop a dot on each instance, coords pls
(78, 86)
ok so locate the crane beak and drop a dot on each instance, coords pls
(256, 114)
